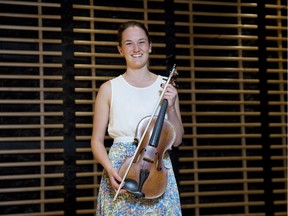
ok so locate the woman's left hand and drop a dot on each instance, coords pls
(171, 95)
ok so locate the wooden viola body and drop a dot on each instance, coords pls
(147, 174)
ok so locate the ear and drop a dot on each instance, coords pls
(150, 48)
(120, 50)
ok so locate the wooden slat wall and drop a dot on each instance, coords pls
(277, 91)
(222, 154)
(220, 163)
(31, 132)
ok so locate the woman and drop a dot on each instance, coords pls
(120, 104)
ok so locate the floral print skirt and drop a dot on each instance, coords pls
(127, 204)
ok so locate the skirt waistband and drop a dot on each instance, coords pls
(123, 139)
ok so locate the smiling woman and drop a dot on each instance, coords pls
(135, 47)
(231, 57)
(120, 105)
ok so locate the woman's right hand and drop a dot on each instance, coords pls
(115, 180)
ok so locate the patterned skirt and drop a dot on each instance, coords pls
(127, 203)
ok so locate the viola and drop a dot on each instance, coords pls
(144, 174)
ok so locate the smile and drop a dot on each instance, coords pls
(137, 55)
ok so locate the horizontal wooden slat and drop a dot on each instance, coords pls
(215, 47)
(125, 9)
(215, 36)
(30, 189)
(222, 158)
(279, 124)
(32, 164)
(30, 126)
(85, 199)
(38, 16)
(46, 213)
(30, 40)
(219, 3)
(18, 3)
(219, 170)
(31, 52)
(221, 147)
(221, 113)
(217, 58)
(112, 20)
(32, 151)
(280, 39)
(26, 139)
(30, 28)
(24, 64)
(32, 77)
(29, 89)
(218, 136)
(29, 202)
(90, 174)
(279, 146)
(85, 211)
(225, 204)
(220, 102)
(220, 181)
(88, 186)
(88, 78)
(215, 25)
(219, 193)
(13, 114)
(25, 101)
(215, 14)
(105, 31)
(218, 91)
(32, 176)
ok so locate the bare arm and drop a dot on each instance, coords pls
(100, 122)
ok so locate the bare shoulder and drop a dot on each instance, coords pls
(106, 86)
(104, 92)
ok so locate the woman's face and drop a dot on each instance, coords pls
(135, 47)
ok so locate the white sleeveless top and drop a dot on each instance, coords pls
(130, 104)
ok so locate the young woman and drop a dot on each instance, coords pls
(120, 105)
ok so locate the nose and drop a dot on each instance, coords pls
(135, 48)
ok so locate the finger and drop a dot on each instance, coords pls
(122, 191)
(116, 186)
(118, 178)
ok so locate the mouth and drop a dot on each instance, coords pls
(136, 55)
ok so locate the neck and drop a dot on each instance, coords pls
(138, 74)
(139, 78)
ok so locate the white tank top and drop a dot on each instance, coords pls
(130, 104)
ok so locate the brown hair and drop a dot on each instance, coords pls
(128, 24)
